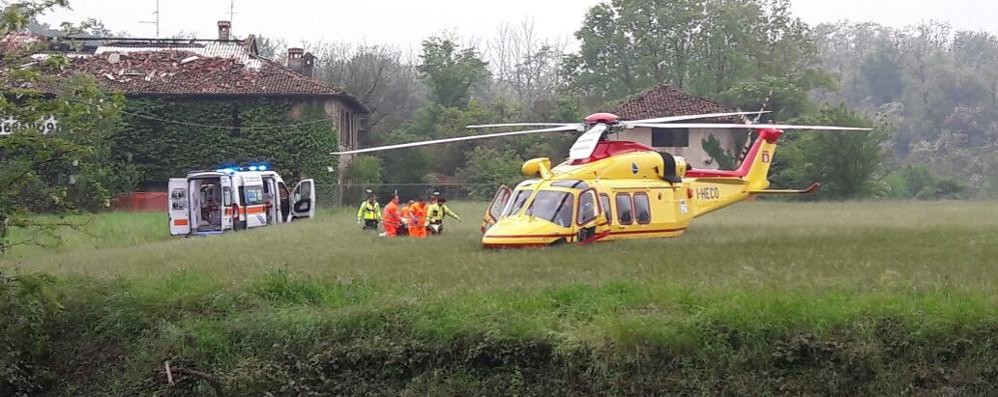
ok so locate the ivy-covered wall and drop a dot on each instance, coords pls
(168, 137)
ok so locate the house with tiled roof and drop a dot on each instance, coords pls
(666, 100)
(221, 71)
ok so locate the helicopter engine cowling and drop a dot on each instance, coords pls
(672, 168)
(537, 168)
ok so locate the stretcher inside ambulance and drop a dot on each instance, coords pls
(212, 202)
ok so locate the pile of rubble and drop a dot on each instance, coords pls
(166, 71)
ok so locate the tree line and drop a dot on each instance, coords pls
(930, 93)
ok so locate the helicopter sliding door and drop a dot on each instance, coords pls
(591, 219)
(494, 211)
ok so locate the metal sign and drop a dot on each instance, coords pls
(45, 126)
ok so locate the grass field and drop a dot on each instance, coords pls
(761, 298)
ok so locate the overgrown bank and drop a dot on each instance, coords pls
(292, 335)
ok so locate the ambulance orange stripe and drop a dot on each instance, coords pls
(181, 222)
(256, 209)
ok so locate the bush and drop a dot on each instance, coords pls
(28, 310)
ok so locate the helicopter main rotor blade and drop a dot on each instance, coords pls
(456, 139)
(751, 126)
(586, 144)
(627, 124)
(577, 125)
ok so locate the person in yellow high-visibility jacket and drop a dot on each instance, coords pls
(369, 213)
(436, 213)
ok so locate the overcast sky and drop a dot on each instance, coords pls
(406, 22)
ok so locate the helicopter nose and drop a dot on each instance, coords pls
(521, 232)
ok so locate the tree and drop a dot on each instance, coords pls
(381, 77)
(701, 46)
(488, 168)
(523, 65)
(846, 164)
(54, 169)
(451, 71)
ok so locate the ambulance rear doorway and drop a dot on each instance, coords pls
(207, 205)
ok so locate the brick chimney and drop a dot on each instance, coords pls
(224, 30)
(301, 62)
(308, 65)
(295, 58)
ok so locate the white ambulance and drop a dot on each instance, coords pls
(213, 202)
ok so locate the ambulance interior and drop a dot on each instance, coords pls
(207, 205)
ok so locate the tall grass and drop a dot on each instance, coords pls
(785, 298)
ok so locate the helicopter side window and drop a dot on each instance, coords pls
(587, 207)
(624, 214)
(555, 207)
(642, 208)
(517, 203)
(604, 200)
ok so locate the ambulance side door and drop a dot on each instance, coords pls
(303, 200)
(179, 207)
(227, 195)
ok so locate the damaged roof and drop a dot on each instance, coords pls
(666, 100)
(186, 73)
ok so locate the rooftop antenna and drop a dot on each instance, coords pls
(156, 22)
(232, 10)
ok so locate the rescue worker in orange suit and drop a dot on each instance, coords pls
(392, 219)
(417, 214)
(406, 213)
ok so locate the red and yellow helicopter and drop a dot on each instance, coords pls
(614, 190)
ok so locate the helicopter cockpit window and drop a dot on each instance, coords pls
(517, 203)
(556, 207)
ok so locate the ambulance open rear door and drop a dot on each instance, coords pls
(303, 198)
(227, 196)
(179, 207)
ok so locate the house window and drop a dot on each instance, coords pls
(624, 215)
(345, 135)
(643, 208)
(670, 137)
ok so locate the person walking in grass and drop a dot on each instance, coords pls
(392, 218)
(369, 213)
(436, 213)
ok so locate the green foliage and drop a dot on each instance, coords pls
(364, 169)
(451, 71)
(846, 164)
(702, 46)
(726, 160)
(66, 169)
(490, 168)
(939, 87)
(28, 313)
(784, 97)
(918, 182)
(262, 130)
